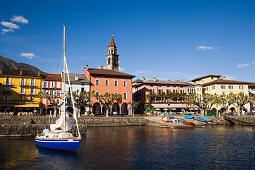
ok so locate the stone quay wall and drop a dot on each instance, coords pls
(241, 120)
(31, 126)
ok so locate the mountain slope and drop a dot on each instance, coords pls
(7, 63)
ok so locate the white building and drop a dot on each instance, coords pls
(80, 83)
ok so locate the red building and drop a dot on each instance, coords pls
(51, 84)
(110, 81)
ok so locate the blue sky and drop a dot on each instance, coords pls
(170, 40)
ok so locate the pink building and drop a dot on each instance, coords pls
(141, 88)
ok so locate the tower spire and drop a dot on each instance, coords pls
(112, 60)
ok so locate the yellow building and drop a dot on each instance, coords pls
(19, 90)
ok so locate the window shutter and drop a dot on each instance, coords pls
(25, 81)
(10, 81)
(19, 90)
(35, 82)
(20, 81)
(5, 80)
(29, 90)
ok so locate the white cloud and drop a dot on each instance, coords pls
(207, 48)
(9, 25)
(28, 55)
(19, 19)
(245, 65)
(121, 69)
(6, 30)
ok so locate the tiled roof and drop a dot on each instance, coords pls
(251, 85)
(165, 82)
(19, 73)
(81, 78)
(222, 81)
(112, 43)
(211, 75)
(138, 81)
(109, 73)
(56, 77)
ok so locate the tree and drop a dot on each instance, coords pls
(81, 99)
(54, 101)
(134, 105)
(239, 100)
(108, 100)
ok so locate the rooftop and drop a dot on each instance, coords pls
(19, 73)
(222, 81)
(112, 43)
(56, 77)
(77, 78)
(200, 78)
(108, 73)
(165, 82)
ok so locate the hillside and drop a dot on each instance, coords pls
(7, 63)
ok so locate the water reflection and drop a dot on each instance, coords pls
(140, 148)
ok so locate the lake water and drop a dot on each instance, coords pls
(140, 148)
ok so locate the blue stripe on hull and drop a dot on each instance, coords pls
(58, 144)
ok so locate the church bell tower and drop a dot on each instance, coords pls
(112, 58)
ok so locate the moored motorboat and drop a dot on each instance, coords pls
(188, 123)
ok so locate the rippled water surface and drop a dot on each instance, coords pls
(140, 148)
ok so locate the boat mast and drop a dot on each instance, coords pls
(64, 75)
(71, 91)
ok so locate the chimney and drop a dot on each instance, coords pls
(20, 72)
(144, 78)
(182, 80)
(154, 79)
(76, 78)
(87, 67)
(39, 73)
(223, 77)
(102, 67)
(1, 71)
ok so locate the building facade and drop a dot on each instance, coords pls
(110, 81)
(79, 83)
(20, 90)
(141, 88)
(51, 85)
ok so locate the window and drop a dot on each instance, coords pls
(181, 86)
(106, 82)
(160, 85)
(213, 87)
(124, 83)
(97, 82)
(168, 91)
(32, 91)
(44, 92)
(174, 85)
(106, 92)
(124, 95)
(115, 82)
(167, 85)
(160, 91)
(58, 85)
(230, 86)
(32, 82)
(223, 93)
(52, 84)
(45, 84)
(174, 91)
(151, 85)
(22, 90)
(8, 81)
(58, 92)
(82, 89)
(21, 98)
(182, 91)
(52, 92)
(152, 90)
(31, 99)
(22, 82)
(223, 87)
(7, 98)
(115, 92)
(240, 87)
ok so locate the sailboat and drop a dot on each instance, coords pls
(58, 138)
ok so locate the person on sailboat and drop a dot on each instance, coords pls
(45, 130)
